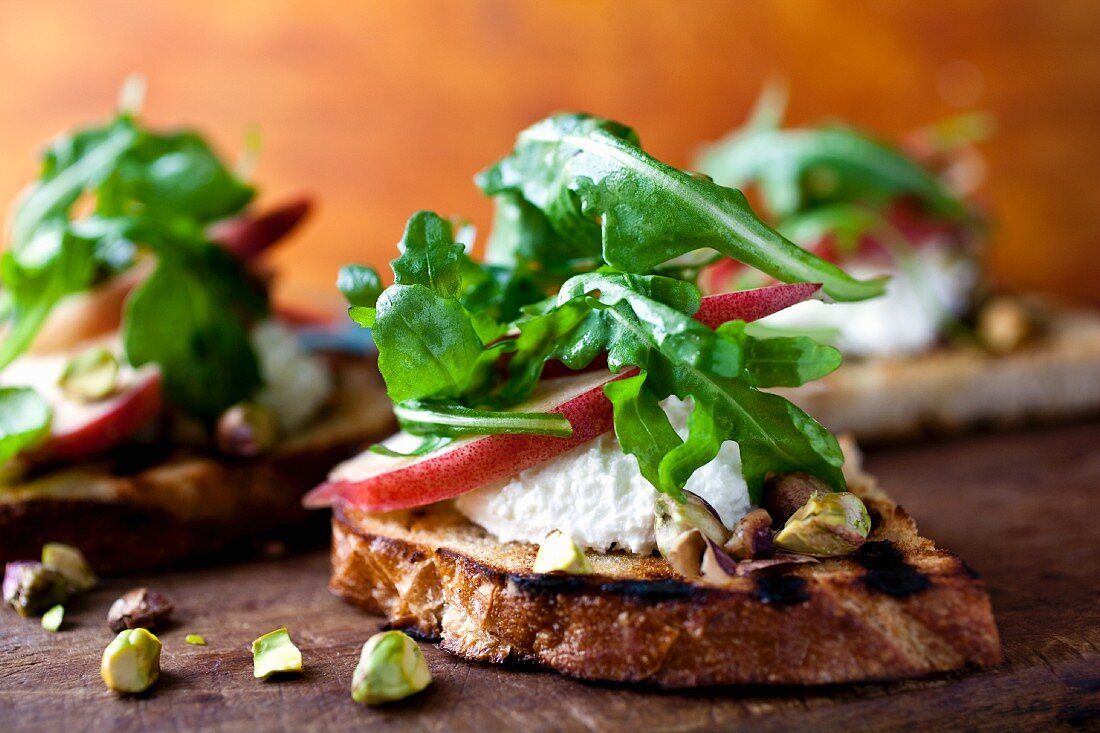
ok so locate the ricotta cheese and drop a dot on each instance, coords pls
(596, 494)
(919, 301)
(296, 382)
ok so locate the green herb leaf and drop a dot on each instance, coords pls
(360, 285)
(645, 322)
(182, 318)
(427, 345)
(783, 361)
(24, 420)
(429, 255)
(596, 187)
(796, 169)
(449, 420)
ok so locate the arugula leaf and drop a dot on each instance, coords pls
(451, 421)
(155, 193)
(799, 168)
(427, 345)
(24, 420)
(205, 357)
(645, 322)
(360, 285)
(596, 187)
(52, 264)
(782, 361)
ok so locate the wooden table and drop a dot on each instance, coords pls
(1021, 508)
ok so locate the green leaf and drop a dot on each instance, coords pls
(596, 186)
(37, 275)
(642, 427)
(681, 357)
(179, 174)
(187, 317)
(24, 420)
(798, 168)
(450, 420)
(360, 285)
(783, 361)
(70, 166)
(427, 345)
(429, 255)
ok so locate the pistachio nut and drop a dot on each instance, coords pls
(1004, 323)
(131, 663)
(247, 430)
(682, 529)
(51, 620)
(140, 608)
(195, 639)
(275, 653)
(827, 525)
(786, 493)
(391, 667)
(70, 562)
(717, 566)
(558, 553)
(91, 375)
(752, 536)
(31, 587)
(745, 568)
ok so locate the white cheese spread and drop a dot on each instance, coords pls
(920, 299)
(596, 494)
(296, 382)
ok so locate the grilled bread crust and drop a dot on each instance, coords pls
(898, 608)
(955, 388)
(145, 509)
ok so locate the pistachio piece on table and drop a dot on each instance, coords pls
(140, 608)
(247, 430)
(786, 493)
(30, 587)
(195, 639)
(51, 620)
(391, 667)
(70, 562)
(90, 376)
(682, 529)
(752, 536)
(274, 653)
(558, 553)
(131, 663)
(827, 525)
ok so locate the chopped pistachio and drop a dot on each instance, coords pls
(51, 620)
(682, 529)
(91, 375)
(195, 639)
(131, 663)
(752, 536)
(140, 608)
(31, 587)
(786, 493)
(391, 667)
(247, 430)
(827, 525)
(273, 653)
(70, 562)
(558, 553)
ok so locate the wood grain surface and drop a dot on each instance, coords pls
(1021, 508)
(382, 108)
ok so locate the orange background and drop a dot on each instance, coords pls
(382, 108)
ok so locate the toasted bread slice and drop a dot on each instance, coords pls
(897, 608)
(953, 388)
(142, 509)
